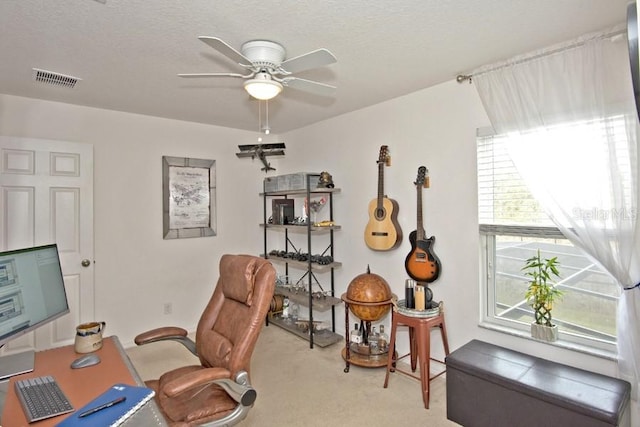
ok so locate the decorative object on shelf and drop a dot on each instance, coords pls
(283, 211)
(409, 293)
(277, 303)
(541, 294)
(325, 223)
(303, 325)
(421, 263)
(303, 257)
(288, 182)
(313, 207)
(383, 232)
(356, 334)
(325, 180)
(419, 298)
(189, 197)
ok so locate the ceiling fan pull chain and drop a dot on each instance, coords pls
(267, 129)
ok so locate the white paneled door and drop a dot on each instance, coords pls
(47, 197)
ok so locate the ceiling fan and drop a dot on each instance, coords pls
(267, 70)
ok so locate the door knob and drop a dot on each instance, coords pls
(86, 263)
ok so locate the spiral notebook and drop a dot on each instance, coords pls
(108, 413)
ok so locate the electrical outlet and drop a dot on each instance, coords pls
(167, 308)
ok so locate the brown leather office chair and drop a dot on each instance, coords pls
(218, 392)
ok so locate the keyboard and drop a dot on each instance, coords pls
(42, 398)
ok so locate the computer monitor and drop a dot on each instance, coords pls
(32, 294)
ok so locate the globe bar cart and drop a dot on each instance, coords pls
(369, 298)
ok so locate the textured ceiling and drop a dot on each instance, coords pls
(128, 52)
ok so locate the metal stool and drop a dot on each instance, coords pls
(420, 347)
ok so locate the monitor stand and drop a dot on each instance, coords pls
(15, 364)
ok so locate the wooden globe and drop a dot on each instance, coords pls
(375, 294)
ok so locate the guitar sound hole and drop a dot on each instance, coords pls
(380, 214)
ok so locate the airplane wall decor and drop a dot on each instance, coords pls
(261, 151)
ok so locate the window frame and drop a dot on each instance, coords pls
(488, 316)
(487, 251)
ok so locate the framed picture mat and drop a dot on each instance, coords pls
(188, 197)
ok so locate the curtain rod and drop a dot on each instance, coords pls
(611, 34)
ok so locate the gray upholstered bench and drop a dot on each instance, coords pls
(492, 386)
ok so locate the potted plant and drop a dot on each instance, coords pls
(541, 294)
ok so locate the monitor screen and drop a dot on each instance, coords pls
(32, 290)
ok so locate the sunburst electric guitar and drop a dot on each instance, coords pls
(422, 264)
(383, 231)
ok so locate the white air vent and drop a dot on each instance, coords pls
(55, 79)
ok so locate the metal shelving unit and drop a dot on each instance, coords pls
(307, 268)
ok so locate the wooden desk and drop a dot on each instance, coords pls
(81, 385)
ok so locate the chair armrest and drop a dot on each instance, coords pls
(167, 333)
(238, 389)
(195, 379)
(242, 393)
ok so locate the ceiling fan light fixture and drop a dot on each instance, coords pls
(262, 87)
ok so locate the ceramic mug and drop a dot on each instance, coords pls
(89, 337)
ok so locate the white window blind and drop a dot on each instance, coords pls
(503, 197)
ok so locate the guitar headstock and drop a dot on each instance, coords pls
(384, 156)
(422, 179)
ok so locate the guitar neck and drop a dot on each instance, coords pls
(420, 234)
(380, 183)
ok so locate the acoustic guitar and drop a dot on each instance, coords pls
(382, 231)
(422, 264)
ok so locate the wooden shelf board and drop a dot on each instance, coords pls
(377, 361)
(302, 298)
(323, 338)
(303, 265)
(301, 192)
(301, 228)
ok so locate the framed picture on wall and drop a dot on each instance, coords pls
(188, 197)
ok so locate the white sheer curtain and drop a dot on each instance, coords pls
(570, 116)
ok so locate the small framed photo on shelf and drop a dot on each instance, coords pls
(283, 211)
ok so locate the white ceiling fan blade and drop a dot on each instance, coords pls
(308, 86)
(189, 75)
(314, 59)
(226, 50)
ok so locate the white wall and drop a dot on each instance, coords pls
(137, 271)
(435, 128)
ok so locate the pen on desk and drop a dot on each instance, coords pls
(101, 407)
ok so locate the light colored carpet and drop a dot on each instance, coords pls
(299, 386)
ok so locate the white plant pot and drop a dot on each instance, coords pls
(544, 333)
